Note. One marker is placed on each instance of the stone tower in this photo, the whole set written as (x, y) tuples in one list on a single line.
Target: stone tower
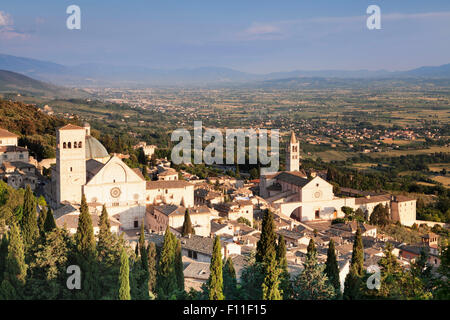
[(70, 163), (292, 154)]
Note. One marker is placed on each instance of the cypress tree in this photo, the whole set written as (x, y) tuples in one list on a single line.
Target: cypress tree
[(285, 284), (187, 225), (143, 251), (354, 277), (166, 282), (86, 254), (30, 231), (15, 273), (215, 281), (104, 234), (85, 231), (229, 280), (179, 267), (49, 224), (124, 277), (270, 286), (151, 256), (331, 267), (3, 255), (311, 249), (266, 244), (41, 221)]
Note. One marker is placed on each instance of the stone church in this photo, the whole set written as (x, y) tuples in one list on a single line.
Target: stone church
[(293, 194), (84, 166)]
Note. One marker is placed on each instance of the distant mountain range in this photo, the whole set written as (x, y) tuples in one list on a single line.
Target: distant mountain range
[(109, 75)]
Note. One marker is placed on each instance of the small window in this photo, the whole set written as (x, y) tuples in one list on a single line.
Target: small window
[(195, 255), (64, 145), (317, 184), (136, 224), (69, 145), (75, 145), (79, 144), (70, 169), (190, 253)]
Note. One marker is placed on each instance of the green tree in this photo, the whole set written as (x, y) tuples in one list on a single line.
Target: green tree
[(14, 276), (442, 283), (229, 280), (41, 221), (166, 280), (285, 283), (151, 255), (187, 225), (85, 231), (332, 268), (47, 272), (124, 277), (215, 281), (49, 224), (352, 284), (380, 215), (267, 241), (179, 266), (3, 254), (312, 283), (86, 254), (270, 285), (30, 230)]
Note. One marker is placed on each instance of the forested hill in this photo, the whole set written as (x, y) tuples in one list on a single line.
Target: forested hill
[(36, 129), (12, 82)]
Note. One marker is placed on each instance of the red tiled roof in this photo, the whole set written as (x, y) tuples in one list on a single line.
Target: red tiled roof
[(6, 134), (71, 127)]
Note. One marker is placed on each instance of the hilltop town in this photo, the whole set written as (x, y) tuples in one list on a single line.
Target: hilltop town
[(158, 198)]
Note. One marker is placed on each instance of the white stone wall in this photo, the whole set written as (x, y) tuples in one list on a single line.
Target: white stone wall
[(171, 196), (201, 223), (8, 141)]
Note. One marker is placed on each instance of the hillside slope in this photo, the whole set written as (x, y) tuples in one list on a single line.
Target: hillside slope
[(12, 82), (36, 129)]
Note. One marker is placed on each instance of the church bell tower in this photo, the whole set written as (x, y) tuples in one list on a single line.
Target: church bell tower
[(70, 163), (292, 154)]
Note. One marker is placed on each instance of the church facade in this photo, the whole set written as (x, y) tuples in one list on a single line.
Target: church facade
[(84, 166)]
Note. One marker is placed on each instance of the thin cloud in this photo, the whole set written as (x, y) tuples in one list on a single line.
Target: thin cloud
[(324, 25), (7, 29)]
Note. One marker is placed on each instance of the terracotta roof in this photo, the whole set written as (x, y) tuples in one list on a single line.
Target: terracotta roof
[(71, 127), (380, 198), (6, 134), (294, 178), (401, 198), (197, 270), (170, 184), (139, 173)]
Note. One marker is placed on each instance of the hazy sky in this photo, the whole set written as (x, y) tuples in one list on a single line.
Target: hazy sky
[(254, 36)]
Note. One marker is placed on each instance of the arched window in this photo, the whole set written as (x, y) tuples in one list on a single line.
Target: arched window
[(64, 145), (69, 145), (75, 145), (79, 144)]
